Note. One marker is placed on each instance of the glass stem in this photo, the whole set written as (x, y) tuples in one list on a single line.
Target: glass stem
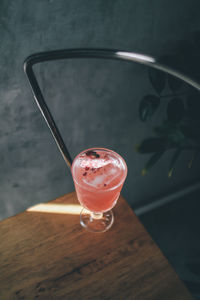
[(96, 215)]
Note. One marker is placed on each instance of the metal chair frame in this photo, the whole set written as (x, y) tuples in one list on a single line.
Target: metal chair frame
[(86, 53)]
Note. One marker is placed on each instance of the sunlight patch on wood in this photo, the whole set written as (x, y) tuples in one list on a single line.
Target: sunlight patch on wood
[(73, 209)]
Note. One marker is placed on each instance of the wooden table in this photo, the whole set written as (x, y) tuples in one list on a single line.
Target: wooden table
[(46, 254)]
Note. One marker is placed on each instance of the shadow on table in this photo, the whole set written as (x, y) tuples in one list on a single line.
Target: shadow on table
[(175, 227)]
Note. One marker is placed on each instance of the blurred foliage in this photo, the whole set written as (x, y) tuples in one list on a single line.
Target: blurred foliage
[(180, 128)]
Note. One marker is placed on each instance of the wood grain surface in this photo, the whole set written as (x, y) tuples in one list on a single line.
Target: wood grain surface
[(46, 254)]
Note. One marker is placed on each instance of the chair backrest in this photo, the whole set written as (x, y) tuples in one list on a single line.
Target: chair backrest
[(87, 53)]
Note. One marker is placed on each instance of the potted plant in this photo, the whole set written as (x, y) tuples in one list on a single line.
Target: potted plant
[(180, 128)]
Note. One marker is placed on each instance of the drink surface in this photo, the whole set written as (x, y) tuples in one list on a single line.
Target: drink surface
[(98, 176)]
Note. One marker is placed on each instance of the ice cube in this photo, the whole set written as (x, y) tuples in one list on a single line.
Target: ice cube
[(110, 178), (112, 171), (98, 180)]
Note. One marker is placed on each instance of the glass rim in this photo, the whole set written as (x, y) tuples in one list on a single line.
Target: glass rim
[(108, 150)]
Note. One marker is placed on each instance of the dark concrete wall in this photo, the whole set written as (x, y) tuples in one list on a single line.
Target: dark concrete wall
[(94, 103)]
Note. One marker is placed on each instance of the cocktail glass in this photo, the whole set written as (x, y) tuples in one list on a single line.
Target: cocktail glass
[(98, 175)]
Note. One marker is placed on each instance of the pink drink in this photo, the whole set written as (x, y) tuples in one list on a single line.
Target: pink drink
[(98, 176)]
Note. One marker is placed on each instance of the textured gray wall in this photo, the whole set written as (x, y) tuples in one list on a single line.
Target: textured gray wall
[(94, 103)]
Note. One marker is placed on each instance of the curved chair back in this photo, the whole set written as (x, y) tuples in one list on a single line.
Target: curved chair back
[(87, 53)]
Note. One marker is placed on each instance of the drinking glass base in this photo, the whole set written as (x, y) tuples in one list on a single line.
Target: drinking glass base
[(96, 222)]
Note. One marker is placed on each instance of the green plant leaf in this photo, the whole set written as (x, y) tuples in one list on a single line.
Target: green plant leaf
[(191, 129), (172, 133), (175, 110), (174, 83), (177, 138), (193, 105), (173, 161), (166, 128), (157, 79), (148, 106), (152, 161), (194, 156), (151, 145)]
